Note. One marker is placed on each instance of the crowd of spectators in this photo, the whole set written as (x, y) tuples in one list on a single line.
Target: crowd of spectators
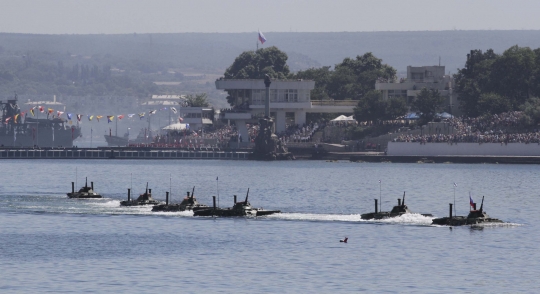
[(499, 128), (297, 133)]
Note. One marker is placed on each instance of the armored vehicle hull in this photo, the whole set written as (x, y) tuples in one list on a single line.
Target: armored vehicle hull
[(84, 192), (240, 209), (143, 199), (475, 217), (188, 203), (397, 210)]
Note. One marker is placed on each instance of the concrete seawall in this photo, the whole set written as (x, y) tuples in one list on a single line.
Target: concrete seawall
[(119, 154), (463, 149)]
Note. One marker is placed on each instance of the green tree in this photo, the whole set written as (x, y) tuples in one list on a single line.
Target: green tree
[(531, 112), (512, 75), (428, 102), (372, 107), (354, 78), (396, 107), (199, 100), (492, 103), (321, 76), (474, 79), (256, 64)]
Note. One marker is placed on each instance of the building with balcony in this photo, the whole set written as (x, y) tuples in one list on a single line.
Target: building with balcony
[(196, 117), (286, 96), (418, 77)]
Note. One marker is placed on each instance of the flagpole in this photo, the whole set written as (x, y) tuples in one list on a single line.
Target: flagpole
[(37, 128), (217, 187), (454, 199), (380, 193)]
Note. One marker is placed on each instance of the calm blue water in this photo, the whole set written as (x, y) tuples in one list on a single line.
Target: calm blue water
[(49, 243)]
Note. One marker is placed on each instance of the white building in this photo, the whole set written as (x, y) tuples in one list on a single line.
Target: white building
[(196, 117), (286, 96), (430, 77), (157, 101)]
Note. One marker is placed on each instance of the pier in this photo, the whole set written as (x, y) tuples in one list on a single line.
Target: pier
[(118, 153)]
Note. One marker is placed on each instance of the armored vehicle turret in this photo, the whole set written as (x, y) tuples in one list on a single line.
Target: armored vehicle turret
[(143, 199), (188, 203), (84, 192), (474, 217), (396, 211), (240, 208)]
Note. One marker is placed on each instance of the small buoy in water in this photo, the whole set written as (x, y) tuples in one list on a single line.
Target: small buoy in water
[(344, 240)]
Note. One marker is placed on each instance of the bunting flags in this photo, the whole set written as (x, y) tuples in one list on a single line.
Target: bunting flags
[(69, 116), (41, 109), (15, 117), (90, 117), (110, 118), (32, 111), (59, 113), (79, 117), (141, 115), (151, 112), (131, 115), (50, 110), (7, 119), (180, 119), (98, 117), (174, 110), (121, 116)]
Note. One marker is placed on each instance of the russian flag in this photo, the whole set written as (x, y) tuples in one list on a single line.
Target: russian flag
[(471, 202), (261, 37)]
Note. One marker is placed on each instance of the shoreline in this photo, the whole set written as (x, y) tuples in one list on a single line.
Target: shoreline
[(146, 153)]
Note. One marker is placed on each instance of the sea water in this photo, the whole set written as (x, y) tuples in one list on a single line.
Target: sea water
[(50, 243)]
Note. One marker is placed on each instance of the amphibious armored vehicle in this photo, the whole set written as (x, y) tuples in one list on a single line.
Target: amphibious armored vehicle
[(396, 211), (84, 192), (143, 199), (474, 217), (188, 203), (242, 208)]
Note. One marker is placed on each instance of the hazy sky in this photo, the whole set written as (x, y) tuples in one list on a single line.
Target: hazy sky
[(174, 16)]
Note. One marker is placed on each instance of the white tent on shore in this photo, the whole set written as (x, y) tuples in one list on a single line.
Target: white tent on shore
[(343, 118), (176, 126)]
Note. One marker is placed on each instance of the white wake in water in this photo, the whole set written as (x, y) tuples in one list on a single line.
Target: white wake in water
[(113, 207), (316, 217), (412, 218), (409, 218)]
